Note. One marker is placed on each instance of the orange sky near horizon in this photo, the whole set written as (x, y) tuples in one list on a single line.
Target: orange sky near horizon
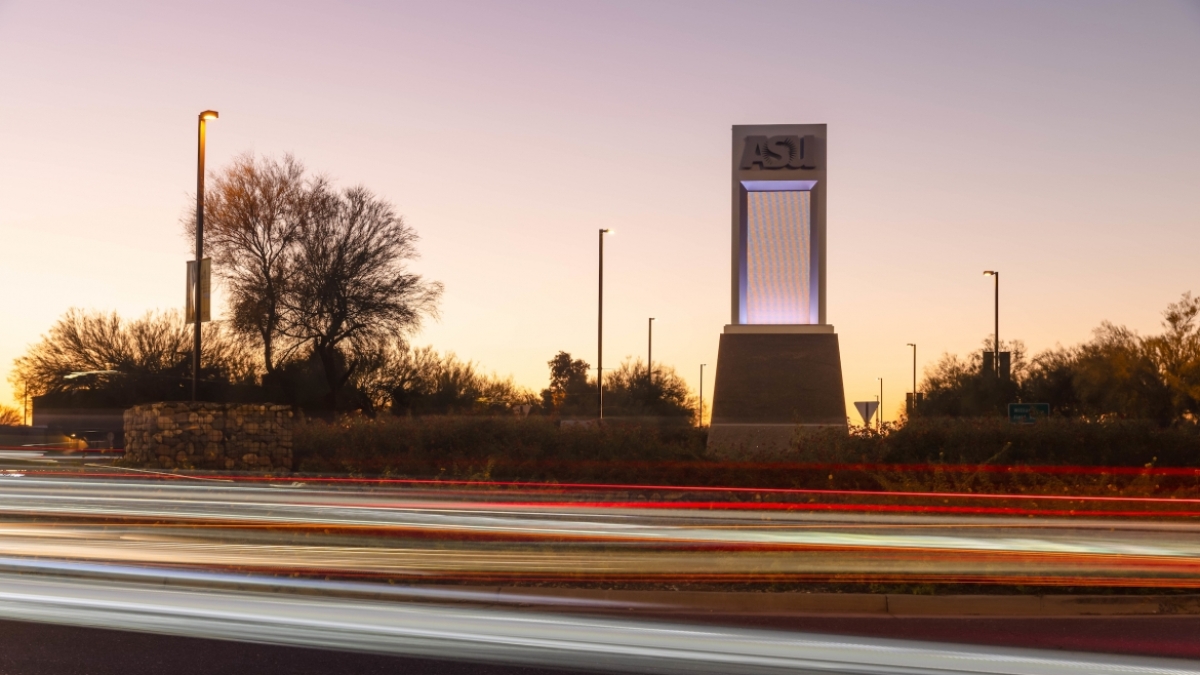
[(1055, 142)]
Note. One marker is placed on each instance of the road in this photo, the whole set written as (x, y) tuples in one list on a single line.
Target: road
[(505, 637), (456, 535), (392, 570), (99, 651)]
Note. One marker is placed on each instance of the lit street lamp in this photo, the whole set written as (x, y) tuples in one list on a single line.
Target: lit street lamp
[(600, 328), (204, 117), (996, 336), (701, 423)]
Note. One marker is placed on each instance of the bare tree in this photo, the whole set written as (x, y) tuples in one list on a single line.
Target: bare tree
[(350, 291), (10, 417), (253, 212), (81, 344)]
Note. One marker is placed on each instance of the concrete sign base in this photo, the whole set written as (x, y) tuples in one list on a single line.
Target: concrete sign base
[(771, 386)]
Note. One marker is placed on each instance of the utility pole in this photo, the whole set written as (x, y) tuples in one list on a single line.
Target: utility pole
[(881, 404), (600, 330), (650, 352), (914, 384), (996, 351)]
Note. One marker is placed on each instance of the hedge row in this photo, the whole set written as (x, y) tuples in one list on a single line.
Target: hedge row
[(960, 455)]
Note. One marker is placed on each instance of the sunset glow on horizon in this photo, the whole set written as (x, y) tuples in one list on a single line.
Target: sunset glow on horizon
[(1056, 143)]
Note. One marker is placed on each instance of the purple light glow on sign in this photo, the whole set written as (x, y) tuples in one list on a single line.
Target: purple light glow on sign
[(778, 257)]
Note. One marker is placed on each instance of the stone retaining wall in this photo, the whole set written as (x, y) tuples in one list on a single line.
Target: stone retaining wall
[(189, 435)]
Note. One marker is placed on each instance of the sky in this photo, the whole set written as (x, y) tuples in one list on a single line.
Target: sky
[(1056, 142)]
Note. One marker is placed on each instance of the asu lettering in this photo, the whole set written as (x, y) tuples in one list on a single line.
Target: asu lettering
[(780, 152)]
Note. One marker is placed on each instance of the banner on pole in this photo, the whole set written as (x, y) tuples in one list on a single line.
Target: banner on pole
[(205, 290)]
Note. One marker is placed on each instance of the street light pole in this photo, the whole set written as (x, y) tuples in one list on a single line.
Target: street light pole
[(204, 117), (600, 330), (650, 351), (881, 404), (701, 423), (914, 389), (996, 336)]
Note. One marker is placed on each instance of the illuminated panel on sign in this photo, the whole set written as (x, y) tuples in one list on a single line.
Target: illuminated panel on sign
[(778, 255)]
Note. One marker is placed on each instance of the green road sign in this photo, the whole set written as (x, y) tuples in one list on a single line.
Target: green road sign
[(1027, 413)]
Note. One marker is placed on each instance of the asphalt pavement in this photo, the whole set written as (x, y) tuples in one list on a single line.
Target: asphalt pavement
[(513, 638), (389, 574), (560, 536)]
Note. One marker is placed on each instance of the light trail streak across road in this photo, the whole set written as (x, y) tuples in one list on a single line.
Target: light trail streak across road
[(403, 570), (429, 534), (524, 638)]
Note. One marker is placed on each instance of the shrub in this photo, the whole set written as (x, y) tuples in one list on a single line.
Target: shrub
[(490, 448), (939, 455), (1052, 441)]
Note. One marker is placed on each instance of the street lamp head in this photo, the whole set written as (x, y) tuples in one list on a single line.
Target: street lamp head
[(605, 230), (209, 115), (990, 273), (910, 345)]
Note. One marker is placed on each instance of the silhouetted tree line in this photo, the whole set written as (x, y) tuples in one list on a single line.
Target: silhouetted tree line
[(421, 382), (629, 390), (1117, 374), (318, 290), (321, 309), (97, 359)]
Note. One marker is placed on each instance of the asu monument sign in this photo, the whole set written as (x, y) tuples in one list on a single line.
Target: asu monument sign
[(779, 367)]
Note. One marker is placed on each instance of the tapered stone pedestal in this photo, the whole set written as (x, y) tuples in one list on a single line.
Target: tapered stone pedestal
[(772, 383)]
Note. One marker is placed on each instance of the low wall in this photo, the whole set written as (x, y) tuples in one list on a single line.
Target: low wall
[(652, 421), (74, 420), (189, 435)]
